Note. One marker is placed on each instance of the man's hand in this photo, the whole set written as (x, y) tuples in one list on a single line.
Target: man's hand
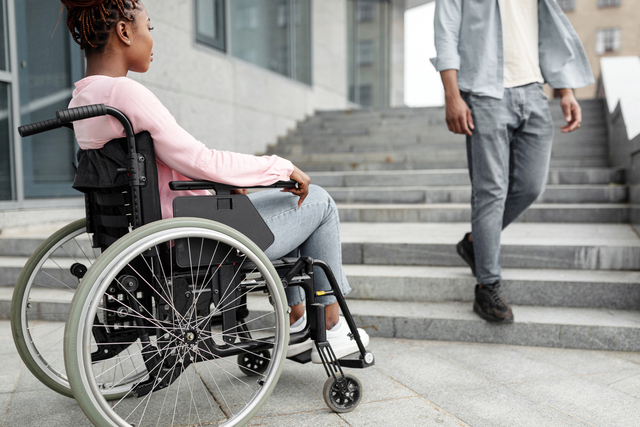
[(303, 181), (459, 118), (571, 110)]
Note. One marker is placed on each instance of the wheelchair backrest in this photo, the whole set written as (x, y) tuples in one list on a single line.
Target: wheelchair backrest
[(102, 177)]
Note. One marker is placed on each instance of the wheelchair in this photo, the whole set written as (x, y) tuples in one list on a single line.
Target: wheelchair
[(180, 321)]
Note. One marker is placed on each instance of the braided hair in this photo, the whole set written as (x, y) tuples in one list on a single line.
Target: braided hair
[(91, 21)]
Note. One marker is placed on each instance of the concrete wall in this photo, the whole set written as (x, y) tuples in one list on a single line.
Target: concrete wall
[(625, 153), (620, 87), (396, 98), (230, 104)]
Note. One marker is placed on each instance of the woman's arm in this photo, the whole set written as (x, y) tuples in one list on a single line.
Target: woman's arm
[(180, 151)]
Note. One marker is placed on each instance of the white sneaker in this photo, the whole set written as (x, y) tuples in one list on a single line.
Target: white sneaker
[(296, 349), (342, 341)]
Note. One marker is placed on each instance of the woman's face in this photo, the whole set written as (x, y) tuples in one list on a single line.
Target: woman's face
[(141, 48)]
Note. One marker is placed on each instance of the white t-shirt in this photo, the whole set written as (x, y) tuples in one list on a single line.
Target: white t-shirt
[(520, 41)]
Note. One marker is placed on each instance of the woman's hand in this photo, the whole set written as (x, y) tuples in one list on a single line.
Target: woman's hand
[(303, 181), (239, 191)]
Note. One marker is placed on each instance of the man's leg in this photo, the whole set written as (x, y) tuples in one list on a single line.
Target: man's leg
[(488, 151), (488, 158), (530, 154)]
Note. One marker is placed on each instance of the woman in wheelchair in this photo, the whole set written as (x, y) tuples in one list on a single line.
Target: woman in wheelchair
[(175, 290), (116, 38)]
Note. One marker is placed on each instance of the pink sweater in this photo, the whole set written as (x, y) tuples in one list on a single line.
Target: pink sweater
[(178, 154)]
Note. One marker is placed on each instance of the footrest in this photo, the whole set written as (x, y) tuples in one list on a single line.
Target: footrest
[(357, 361)]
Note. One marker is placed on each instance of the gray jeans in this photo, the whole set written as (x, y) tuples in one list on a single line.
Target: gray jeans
[(508, 156), (313, 229)]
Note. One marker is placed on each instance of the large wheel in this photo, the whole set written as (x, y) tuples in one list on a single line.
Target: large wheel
[(175, 312), (41, 301)]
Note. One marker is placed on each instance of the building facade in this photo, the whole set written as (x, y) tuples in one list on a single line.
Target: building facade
[(234, 73), (606, 28)]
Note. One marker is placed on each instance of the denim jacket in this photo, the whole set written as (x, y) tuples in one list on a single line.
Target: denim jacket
[(468, 37)]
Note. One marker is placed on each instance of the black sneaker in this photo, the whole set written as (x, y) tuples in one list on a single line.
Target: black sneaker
[(465, 250), (489, 304)]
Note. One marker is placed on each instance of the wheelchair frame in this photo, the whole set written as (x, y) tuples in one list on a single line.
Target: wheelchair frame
[(342, 392)]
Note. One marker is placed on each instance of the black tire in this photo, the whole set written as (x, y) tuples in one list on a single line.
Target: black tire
[(342, 396), (37, 323)]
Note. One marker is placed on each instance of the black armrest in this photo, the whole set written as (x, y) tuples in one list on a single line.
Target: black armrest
[(222, 188)]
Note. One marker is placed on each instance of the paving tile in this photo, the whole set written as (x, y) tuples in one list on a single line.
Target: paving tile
[(627, 381), (426, 373), (185, 402), (628, 356), (10, 373), (586, 400), (582, 362), (6, 339), (504, 364), (501, 407), (301, 419), (291, 395), (28, 382), (411, 411), (5, 403), (31, 409)]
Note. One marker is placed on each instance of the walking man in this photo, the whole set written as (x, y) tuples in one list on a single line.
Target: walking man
[(493, 57)]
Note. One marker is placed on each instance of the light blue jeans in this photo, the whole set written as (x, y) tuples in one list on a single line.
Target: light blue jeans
[(508, 156), (313, 229)]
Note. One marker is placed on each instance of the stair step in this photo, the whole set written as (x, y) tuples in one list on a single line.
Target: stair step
[(595, 107), (312, 163), (582, 328), (594, 147), (46, 304), (524, 245), (461, 212), (566, 327), (462, 194), (55, 273), (448, 177), (536, 287), (23, 242)]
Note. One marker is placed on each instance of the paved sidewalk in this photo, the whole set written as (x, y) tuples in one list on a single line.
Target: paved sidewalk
[(415, 383)]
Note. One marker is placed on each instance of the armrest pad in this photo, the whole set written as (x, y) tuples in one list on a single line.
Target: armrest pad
[(221, 188)]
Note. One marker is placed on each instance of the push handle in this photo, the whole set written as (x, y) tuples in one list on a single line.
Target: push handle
[(64, 118), (39, 127), (81, 113)]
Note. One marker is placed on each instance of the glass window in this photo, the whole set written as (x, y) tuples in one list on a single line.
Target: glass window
[(608, 3), (274, 34), (302, 37), (6, 155), (210, 23), (48, 65), (366, 12), (4, 51), (607, 40), (567, 5), (368, 50)]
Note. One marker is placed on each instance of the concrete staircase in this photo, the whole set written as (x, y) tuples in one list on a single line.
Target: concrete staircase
[(571, 263), (400, 180)]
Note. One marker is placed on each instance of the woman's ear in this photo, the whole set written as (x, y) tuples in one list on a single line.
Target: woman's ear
[(123, 32)]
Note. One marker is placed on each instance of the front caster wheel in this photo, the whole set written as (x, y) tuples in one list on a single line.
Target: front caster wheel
[(342, 395), (254, 364)]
